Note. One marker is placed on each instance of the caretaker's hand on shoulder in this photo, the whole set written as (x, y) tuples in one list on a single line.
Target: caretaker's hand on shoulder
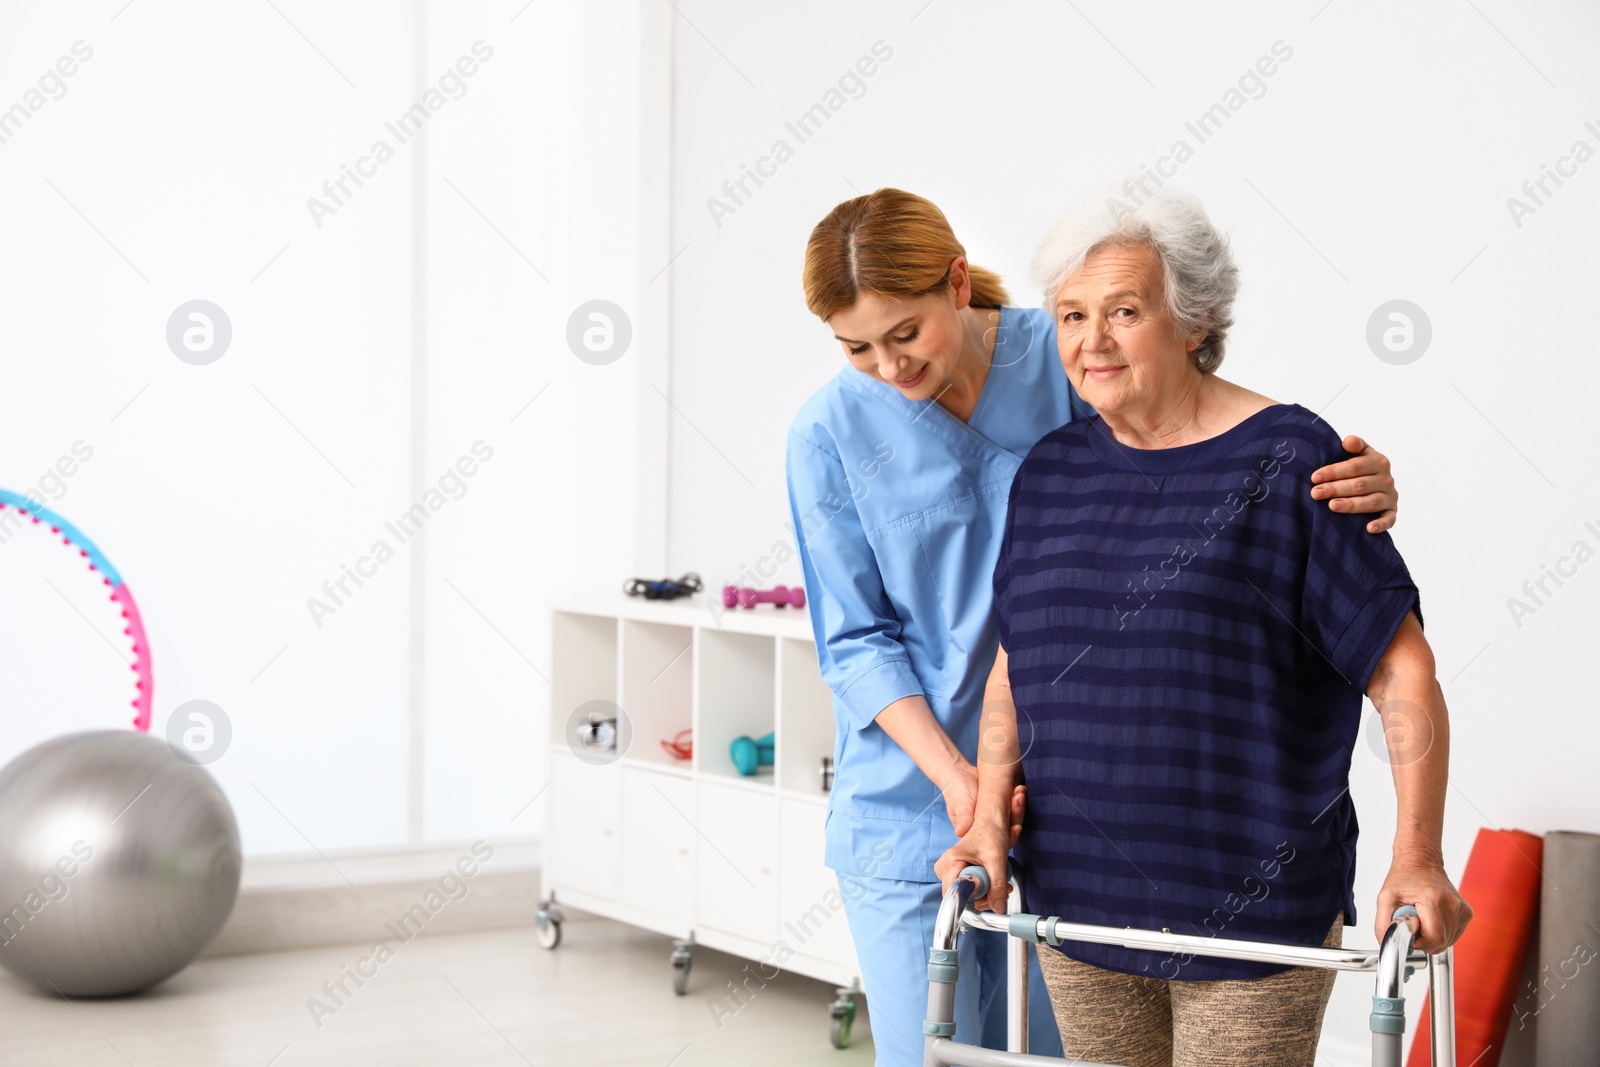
[(1442, 915), (1362, 486)]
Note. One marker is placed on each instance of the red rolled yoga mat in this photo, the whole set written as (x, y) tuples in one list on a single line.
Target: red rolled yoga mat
[(1501, 883)]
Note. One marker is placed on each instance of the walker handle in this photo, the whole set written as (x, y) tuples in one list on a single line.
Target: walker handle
[(978, 875), (1405, 911)]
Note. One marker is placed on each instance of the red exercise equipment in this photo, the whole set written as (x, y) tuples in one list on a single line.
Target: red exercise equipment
[(1501, 883), (681, 747)]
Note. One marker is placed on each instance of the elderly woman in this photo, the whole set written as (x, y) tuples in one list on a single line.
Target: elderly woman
[(1185, 645)]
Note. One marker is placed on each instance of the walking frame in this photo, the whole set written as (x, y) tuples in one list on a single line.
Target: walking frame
[(1393, 962)]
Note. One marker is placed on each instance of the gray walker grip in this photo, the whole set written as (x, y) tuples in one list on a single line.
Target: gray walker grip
[(1388, 1018)]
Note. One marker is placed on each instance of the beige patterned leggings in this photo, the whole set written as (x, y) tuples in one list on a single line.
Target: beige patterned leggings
[(1139, 1021)]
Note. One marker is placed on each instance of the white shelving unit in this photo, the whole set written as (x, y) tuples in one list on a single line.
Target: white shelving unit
[(695, 850)]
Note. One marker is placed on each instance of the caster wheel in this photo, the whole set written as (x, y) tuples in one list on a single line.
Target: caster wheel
[(549, 929), (682, 962), (842, 1013)]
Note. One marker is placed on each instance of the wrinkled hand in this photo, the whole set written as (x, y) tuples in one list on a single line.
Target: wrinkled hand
[(961, 796), (986, 844), (1362, 485), (1019, 808), (1442, 916)]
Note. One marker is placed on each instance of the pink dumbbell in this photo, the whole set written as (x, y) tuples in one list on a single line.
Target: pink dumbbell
[(781, 595)]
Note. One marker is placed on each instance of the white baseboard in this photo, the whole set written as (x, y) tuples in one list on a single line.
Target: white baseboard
[(298, 901)]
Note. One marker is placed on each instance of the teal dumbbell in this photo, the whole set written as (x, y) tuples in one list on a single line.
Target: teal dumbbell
[(749, 755)]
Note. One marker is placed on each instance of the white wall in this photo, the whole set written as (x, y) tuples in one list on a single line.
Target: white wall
[(1376, 166), (496, 308), (368, 354), (566, 157)]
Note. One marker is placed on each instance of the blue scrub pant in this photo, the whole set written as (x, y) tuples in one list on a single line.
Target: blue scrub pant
[(892, 924)]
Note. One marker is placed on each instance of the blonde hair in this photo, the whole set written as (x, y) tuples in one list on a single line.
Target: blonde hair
[(889, 242)]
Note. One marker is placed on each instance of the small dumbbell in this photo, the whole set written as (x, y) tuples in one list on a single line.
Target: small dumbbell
[(749, 754), (781, 595)]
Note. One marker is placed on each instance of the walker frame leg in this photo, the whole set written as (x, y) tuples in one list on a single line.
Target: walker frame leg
[(1442, 994), (1017, 989)]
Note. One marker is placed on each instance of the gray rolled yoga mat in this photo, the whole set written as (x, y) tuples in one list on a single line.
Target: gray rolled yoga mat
[(1568, 997)]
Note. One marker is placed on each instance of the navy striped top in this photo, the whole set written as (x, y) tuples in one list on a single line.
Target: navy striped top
[(1190, 635)]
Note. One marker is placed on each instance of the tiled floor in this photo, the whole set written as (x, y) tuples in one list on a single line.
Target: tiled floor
[(496, 998)]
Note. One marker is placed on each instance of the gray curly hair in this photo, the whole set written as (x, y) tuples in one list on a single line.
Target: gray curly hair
[(1197, 267)]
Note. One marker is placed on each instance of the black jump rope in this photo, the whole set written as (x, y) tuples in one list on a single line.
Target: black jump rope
[(665, 589)]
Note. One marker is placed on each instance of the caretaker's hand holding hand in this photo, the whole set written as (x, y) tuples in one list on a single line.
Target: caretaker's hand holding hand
[(910, 722), (1362, 485), (1442, 915), (961, 800), (960, 791)]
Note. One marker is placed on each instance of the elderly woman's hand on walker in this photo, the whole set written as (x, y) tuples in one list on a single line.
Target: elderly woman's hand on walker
[(999, 799), (1416, 731)]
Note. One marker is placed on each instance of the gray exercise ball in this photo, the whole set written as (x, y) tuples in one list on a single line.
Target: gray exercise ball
[(119, 862)]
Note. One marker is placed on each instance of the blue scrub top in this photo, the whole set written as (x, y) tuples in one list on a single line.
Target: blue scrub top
[(898, 510)]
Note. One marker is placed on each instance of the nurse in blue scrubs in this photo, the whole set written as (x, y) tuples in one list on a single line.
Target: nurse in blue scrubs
[(898, 471)]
